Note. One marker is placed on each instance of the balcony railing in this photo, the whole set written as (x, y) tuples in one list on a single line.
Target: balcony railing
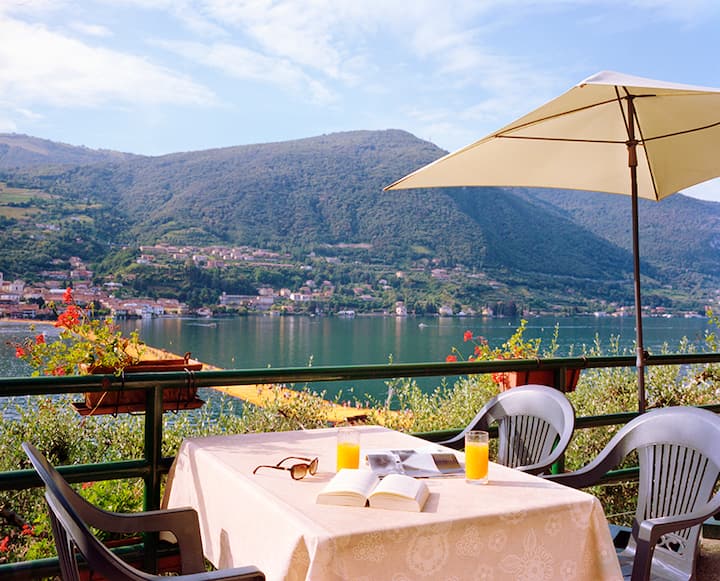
[(152, 466)]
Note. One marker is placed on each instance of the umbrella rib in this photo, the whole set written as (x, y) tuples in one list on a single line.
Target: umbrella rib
[(555, 116), (643, 139), (640, 141), (619, 100), (565, 139), (684, 132)]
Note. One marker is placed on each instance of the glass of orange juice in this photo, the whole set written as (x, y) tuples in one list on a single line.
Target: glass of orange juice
[(476, 457), (348, 448)]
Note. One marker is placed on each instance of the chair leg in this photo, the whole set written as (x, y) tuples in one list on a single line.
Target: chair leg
[(643, 561)]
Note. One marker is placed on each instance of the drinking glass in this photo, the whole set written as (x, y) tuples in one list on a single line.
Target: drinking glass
[(476, 457), (348, 448)]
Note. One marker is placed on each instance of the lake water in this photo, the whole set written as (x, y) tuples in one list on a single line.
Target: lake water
[(256, 342)]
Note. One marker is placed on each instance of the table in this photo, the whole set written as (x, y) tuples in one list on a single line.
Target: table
[(516, 527)]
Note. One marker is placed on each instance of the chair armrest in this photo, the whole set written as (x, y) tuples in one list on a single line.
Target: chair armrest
[(649, 531), (249, 573), (145, 522), (536, 468), (581, 478), (183, 523), (456, 442), (653, 528)]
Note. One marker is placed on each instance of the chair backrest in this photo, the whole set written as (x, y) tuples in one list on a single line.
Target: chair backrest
[(678, 452), (535, 426)]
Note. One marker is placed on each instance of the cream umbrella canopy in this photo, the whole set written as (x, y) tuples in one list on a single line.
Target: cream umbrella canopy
[(612, 133)]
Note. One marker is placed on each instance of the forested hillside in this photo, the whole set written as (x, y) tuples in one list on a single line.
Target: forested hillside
[(323, 195), (18, 151)]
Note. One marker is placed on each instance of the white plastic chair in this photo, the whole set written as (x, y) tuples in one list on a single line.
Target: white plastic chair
[(535, 426), (679, 457)]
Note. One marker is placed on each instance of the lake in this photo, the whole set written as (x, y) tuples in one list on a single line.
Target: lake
[(255, 342)]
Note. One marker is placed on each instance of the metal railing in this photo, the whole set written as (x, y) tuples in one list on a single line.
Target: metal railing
[(153, 466)]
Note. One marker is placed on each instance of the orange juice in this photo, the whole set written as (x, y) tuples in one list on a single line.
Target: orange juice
[(348, 455), (476, 461)]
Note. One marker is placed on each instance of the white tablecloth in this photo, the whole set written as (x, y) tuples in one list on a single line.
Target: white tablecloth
[(516, 527)]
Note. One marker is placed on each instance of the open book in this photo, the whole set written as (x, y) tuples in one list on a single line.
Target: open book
[(351, 487), (417, 463)]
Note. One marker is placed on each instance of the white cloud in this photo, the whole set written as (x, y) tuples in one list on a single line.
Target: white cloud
[(32, 7), (685, 12), (450, 72), (7, 125), (95, 30), (28, 114), (344, 39), (309, 34), (190, 13), (38, 66), (242, 63)]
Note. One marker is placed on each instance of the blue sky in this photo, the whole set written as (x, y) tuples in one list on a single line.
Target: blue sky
[(160, 76)]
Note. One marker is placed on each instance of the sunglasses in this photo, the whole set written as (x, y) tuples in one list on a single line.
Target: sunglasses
[(297, 471)]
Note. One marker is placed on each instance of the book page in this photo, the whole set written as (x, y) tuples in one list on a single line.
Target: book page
[(350, 481), (399, 485), (400, 492)]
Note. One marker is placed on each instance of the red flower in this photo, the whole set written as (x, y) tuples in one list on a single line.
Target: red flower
[(39, 339), (58, 371), (19, 352), (27, 530), (468, 336), (4, 544), (67, 296), (69, 318), (86, 485), (451, 359)]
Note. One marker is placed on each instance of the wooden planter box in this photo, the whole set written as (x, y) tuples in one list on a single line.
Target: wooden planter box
[(134, 400), (510, 379)]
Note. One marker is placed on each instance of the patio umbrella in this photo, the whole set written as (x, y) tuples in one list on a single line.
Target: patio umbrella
[(611, 133)]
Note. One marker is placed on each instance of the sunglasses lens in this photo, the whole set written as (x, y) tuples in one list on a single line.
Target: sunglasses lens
[(313, 467), (299, 471)]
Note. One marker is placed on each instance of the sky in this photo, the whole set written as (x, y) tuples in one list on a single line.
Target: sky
[(161, 76)]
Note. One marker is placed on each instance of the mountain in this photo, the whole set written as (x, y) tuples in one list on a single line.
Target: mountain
[(324, 193), (680, 235), (22, 151)]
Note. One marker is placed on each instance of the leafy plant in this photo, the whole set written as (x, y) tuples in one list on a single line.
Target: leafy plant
[(515, 347)]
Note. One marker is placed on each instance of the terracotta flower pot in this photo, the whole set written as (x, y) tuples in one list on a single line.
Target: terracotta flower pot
[(135, 399), (510, 379)]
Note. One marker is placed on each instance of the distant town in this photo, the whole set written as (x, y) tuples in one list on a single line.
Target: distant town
[(22, 300)]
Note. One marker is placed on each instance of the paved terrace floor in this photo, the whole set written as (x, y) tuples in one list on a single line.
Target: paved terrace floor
[(709, 564)]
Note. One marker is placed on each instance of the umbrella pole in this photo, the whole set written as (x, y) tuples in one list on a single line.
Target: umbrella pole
[(640, 362), (632, 162)]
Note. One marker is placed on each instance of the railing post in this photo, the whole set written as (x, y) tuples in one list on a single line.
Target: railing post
[(153, 455), (560, 384)]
